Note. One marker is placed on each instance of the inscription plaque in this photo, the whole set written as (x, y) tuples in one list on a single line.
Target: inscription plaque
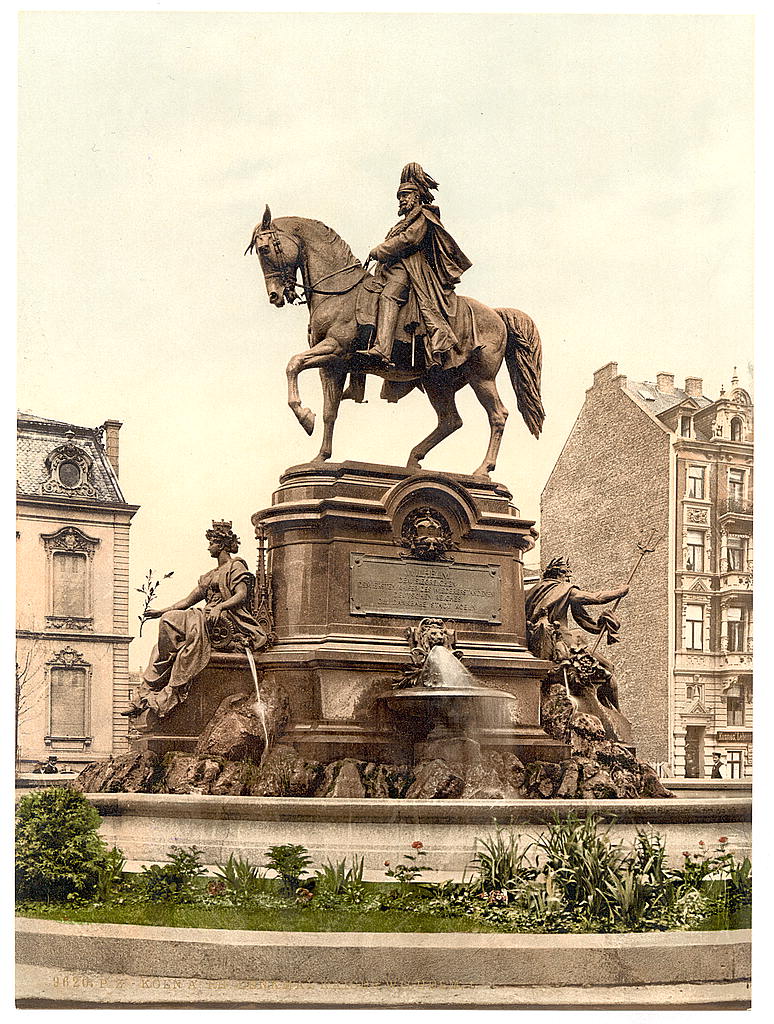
[(380, 585)]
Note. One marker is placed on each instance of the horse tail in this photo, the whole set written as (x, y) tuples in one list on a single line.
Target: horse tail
[(523, 357)]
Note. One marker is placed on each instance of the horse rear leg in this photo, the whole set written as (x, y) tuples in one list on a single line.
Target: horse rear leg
[(442, 399), (487, 394)]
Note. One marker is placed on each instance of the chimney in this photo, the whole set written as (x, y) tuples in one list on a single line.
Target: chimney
[(606, 373), (694, 387), (111, 442), (665, 383)]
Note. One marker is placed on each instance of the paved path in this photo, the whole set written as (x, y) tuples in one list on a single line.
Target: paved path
[(42, 988)]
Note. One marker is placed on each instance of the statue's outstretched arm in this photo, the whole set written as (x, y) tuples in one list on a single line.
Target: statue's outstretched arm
[(599, 596), (188, 602)]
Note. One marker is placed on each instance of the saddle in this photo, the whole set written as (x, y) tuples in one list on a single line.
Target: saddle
[(409, 350)]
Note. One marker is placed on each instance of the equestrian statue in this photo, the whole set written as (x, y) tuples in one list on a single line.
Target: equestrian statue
[(404, 322)]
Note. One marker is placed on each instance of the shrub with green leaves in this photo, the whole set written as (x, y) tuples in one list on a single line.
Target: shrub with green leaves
[(58, 852), (174, 882), (290, 861)]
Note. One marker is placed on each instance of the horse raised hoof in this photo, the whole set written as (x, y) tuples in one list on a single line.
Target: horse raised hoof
[(306, 419)]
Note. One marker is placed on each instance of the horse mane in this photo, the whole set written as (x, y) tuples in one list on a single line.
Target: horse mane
[(315, 230)]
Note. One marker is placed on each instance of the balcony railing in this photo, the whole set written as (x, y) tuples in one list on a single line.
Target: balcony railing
[(734, 506)]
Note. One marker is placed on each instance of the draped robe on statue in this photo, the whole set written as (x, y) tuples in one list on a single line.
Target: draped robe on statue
[(434, 263), (183, 647)]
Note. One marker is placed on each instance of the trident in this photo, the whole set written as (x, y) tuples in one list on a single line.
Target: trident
[(646, 548)]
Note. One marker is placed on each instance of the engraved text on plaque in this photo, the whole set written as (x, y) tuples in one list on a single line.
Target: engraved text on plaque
[(380, 585)]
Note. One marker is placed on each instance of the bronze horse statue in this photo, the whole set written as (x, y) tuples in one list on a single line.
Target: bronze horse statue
[(331, 276)]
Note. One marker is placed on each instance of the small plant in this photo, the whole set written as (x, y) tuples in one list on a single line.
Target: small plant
[(500, 862), (335, 879), (242, 880), (584, 867), (409, 872), (290, 862), (110, 874), (58, 852), (176, 881)]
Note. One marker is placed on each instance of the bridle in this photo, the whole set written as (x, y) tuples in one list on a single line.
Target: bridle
[(286, 269)]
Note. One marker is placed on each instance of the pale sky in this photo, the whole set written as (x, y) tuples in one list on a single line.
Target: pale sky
[(597, 169)]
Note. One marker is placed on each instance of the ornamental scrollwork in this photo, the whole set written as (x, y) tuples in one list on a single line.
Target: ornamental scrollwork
[(69, 472), (70, 538), (68, 657)]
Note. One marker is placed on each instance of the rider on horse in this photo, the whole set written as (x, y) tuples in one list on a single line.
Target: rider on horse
[(419, 264)]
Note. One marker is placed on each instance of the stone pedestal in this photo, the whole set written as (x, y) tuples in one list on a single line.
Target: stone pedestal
[(180, 730), (361, 552)]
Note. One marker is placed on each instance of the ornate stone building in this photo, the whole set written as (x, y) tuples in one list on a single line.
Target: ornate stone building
[(647, 457), (72, 535)]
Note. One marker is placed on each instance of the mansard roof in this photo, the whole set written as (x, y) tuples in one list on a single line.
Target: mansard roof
[(42, 442)]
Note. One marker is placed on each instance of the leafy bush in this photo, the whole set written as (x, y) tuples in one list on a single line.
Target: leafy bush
[(500, 862), (582, 867), (110, 875), (243, 881), (335, 878), (176, 881), (58, 852), (290, 861)]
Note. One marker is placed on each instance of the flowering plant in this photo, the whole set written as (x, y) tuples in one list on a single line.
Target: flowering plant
[(407, 873)]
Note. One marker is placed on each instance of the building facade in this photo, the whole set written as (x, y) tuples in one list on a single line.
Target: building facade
[(646, 460), (72, 636)]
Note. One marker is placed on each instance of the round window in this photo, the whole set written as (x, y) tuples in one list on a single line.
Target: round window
[(69, 474)]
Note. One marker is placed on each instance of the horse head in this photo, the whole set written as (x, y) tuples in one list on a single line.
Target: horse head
[(279, 254)]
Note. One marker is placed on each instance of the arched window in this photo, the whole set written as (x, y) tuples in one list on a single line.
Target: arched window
[(736, 428)]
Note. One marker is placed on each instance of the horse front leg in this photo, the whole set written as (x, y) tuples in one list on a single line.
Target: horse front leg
[(318, 355), (333, 386)]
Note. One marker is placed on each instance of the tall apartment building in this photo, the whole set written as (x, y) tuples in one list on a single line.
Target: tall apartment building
[(72, 637), (647, 458)]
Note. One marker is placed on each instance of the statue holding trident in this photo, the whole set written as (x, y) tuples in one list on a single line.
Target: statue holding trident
[(588, 678)]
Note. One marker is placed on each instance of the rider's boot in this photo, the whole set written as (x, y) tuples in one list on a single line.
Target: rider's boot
[(385, 332)]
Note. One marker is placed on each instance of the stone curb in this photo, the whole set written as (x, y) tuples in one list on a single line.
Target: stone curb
[(667, 958), (469, 812), (41, 988)]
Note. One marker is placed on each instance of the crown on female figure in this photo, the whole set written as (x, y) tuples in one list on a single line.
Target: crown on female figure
[(221, 530)]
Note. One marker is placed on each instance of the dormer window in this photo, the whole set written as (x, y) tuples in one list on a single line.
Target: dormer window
[(737, 426), (685, 426)]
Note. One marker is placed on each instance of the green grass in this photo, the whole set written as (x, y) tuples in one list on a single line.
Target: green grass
[(173, 915), (731, 921), (290, 920)]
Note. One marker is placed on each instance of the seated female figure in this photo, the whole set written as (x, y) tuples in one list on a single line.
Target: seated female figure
[(184, 645)]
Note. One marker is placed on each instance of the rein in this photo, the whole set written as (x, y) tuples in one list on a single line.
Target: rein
[(287, 271)]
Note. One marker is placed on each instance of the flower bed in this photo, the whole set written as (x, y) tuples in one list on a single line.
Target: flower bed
[(571, 878)]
